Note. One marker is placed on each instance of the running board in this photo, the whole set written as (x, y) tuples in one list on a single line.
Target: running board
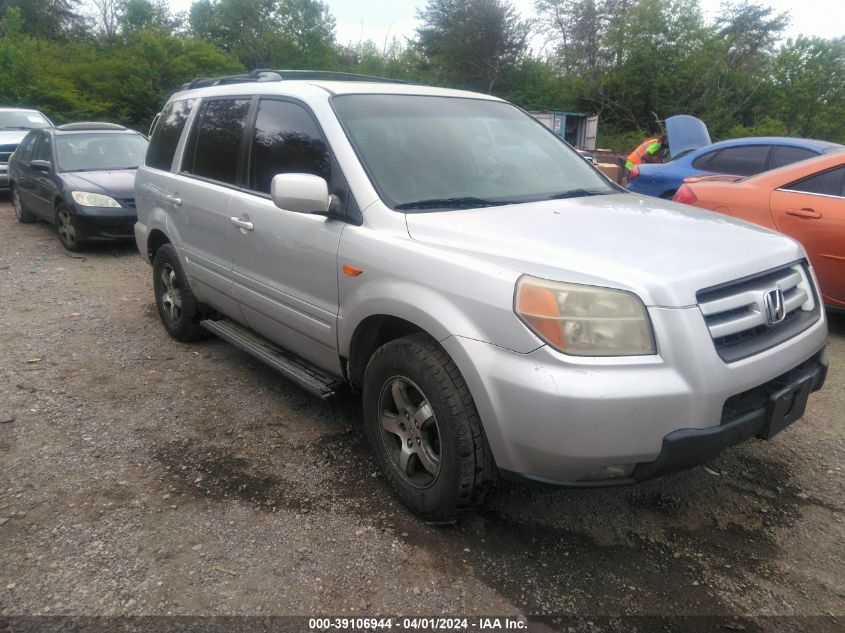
[(289, 365)]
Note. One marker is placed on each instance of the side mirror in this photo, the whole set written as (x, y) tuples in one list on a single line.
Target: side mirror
[(301, 193), (41, 165)]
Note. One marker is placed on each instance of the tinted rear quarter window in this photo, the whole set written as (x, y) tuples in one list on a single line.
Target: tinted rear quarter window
[(167, 132), (215, 142), (741, 161), (828, 183), (785, 155), (24, 151), (286, 141)]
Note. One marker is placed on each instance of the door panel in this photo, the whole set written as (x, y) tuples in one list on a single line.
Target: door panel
[(285, 264), (40, 185), (285, 273), (818, 222)]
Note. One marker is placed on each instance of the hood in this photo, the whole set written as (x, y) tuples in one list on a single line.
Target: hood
[(117, 184), (686, 133), (12, 137), (664, 252)]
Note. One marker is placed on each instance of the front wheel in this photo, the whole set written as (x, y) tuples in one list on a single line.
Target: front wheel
[(424, 429), (177, 306), (67, 229)]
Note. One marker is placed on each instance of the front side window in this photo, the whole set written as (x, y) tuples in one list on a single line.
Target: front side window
[(99, 151), (286, 141), (165, 136), (435, 153), (828, 183), (42, 150), (215, 142)]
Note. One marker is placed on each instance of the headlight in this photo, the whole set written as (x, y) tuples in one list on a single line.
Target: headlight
[(87, 199), (584, 320)]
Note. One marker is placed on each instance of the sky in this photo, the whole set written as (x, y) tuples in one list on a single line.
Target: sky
[(380, 20)]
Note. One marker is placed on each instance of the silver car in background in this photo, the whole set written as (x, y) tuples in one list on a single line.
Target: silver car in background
[(504, 309), (15, 123)]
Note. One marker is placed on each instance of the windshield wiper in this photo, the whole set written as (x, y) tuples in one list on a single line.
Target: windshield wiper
[(578, 193), (450, 203)]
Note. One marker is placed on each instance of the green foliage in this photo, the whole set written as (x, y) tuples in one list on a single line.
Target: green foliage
[(633, 62), (472, 43)]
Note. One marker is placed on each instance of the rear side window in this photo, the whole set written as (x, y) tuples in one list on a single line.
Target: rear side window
[(24, 151), (286, 141), (216, 140), (741, 161), (166, 134), (785, 155), (828, 183)]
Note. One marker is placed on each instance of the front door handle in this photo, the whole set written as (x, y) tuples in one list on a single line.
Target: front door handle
[(177, 202), (809, 214), (242, 224)]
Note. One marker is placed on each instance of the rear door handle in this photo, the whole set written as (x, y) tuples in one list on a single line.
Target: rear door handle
[(810, 214), (177, 202), (242, 224)]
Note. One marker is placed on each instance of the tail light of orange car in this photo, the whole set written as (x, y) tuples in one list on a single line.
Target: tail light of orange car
[(685, 195)]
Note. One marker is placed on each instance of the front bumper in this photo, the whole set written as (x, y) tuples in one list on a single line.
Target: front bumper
[(561, 419), (101, 224)]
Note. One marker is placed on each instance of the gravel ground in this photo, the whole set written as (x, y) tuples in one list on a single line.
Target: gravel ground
[(143, 476)]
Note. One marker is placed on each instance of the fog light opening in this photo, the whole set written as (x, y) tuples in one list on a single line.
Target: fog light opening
[(617, 471)]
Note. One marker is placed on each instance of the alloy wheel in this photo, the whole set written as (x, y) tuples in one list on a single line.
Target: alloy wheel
[(409, 431), (171, 297), (67, 232)]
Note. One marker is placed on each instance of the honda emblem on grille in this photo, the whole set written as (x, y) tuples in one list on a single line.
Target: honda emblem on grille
[(775, 311)]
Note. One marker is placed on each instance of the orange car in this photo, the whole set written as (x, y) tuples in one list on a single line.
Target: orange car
[(804, 200)]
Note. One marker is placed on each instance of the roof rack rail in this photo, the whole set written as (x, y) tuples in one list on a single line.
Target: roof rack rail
[(91, 125), (268, 74)]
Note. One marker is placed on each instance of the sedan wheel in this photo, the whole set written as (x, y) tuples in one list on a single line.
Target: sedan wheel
[(23, 216), (68, 234)]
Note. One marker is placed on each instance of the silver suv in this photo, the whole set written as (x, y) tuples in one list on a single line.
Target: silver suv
[(504, 308)]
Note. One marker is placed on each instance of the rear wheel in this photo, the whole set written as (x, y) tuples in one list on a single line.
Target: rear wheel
[(423, 427), (177, 306), (23, 216), (67, 229)]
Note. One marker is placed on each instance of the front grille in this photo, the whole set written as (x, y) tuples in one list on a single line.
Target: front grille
[(735, 313), (6, 152)]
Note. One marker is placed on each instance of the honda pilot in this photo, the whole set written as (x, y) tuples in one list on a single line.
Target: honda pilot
[(502, 307)]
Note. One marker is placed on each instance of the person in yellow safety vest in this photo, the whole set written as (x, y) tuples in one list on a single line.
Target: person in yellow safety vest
[(651, 150)]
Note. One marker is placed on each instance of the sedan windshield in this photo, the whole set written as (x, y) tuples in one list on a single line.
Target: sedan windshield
[(100, 151), (432, 153), (22, 120)]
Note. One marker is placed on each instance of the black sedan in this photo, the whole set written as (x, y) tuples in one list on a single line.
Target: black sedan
[(80, 177)]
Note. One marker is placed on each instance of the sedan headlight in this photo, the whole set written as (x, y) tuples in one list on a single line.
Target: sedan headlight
[(584, 320), (88, 199)]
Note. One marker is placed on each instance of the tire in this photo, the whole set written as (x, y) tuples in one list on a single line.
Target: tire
[(415, 397), (67, 229), (178, 309), (23, 216)]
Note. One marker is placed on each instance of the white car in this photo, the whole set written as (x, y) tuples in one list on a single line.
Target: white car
[(15, 123)]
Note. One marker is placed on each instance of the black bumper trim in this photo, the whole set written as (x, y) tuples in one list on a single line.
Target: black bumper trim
[(686, 448)]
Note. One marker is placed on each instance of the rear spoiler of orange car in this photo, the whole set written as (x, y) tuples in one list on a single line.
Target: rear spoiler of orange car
[(714, 177)]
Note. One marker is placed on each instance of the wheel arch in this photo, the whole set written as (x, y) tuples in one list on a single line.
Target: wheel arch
[(369, 335), (155, 240)]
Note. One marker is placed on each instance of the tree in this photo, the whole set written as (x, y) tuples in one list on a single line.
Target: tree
[(268, 33), (48, 19), (472, 43), (809, 87), (107, 16)]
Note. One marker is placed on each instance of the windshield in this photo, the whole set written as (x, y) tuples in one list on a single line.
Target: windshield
[(22, 120), (100, 152), (444, 152)]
